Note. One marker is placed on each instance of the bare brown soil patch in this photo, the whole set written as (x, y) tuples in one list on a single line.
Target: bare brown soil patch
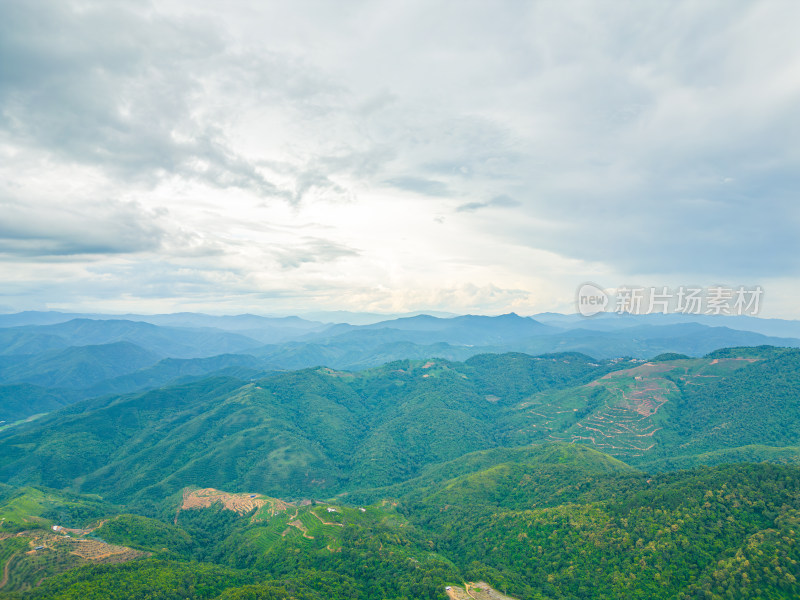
[(100, 551), (476, 591), (717, 360), (238, 503), (86, 549)]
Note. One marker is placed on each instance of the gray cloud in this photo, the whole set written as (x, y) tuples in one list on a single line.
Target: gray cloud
[(427, 187), (648, 139), (503, 200), (98, 228), (110, 85), (312, 250)]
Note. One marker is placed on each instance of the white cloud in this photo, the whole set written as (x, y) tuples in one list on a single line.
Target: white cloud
[(308, 155)]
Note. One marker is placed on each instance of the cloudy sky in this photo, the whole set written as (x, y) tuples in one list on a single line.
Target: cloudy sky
[(485, 157)]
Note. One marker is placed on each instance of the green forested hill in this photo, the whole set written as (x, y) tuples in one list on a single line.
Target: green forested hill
[(313, 431), (321, 431), (724, 532), (548, 477), (718, 532), (756, 405), (176, 342), (78, 367), (20, 400), (488, 471)]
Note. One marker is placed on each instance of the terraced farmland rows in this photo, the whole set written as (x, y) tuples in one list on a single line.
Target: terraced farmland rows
[(627, 422)]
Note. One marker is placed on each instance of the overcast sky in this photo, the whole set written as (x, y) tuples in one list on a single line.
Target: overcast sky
[(485, 157)]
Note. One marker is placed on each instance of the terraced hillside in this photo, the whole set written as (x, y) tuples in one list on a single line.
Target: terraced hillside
[(625, 412), (45, 532)]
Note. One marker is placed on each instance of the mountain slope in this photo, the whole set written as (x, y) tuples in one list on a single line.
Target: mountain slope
[(80, 366), (316, 430), (179, 370), (321, 431), (537, 474)]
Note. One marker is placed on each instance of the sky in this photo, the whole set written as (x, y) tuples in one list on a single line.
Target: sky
[(470, 157)]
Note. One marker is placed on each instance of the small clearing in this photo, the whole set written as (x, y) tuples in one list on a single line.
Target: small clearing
[(334, 373), (325, 522), (238, 503), (101, 551), (475, 591)]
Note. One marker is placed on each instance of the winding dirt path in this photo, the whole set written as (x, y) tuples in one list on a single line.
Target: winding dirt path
[(6, 569)]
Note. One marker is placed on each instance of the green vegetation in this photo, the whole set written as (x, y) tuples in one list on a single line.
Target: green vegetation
[(669, 356), (717, 532), (311, 432), (759, 404), (145, 534), (568, 523), (24, 508), (548, 477), (19, 401), (321, 432)]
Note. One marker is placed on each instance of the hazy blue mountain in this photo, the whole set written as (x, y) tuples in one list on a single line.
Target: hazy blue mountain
[(79, 366), (35, 317), (23, 340), (263, 329), (464, 330), (166, 341), (645, 341), (297, 343), (34, 384), (350, 347), (226, 322), (362, 350), (172, 370), (365, 318), (613, 321)]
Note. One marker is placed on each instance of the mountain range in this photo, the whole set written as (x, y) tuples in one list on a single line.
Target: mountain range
[(412, 458), (321, 431), (66, 357)]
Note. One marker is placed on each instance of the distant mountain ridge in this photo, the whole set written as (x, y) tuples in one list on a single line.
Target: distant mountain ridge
[(30, 353), (458, 338)]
